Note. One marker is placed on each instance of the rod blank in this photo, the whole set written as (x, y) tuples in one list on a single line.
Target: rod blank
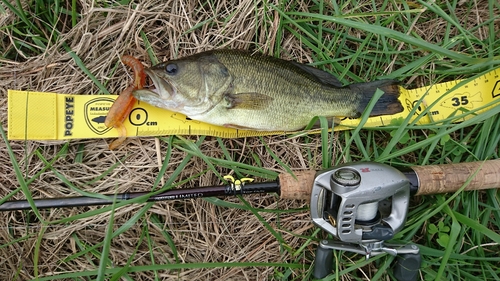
[(173, 194)]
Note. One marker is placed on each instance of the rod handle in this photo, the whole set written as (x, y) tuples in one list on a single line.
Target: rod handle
[(448, 178), (432, 179), (297, 186)]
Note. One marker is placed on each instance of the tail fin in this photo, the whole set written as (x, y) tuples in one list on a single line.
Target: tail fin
[(387, 104)]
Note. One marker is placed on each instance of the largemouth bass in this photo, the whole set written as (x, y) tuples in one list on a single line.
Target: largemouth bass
[(236, 89)]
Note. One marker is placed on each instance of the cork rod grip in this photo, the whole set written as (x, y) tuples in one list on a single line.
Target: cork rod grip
[(298, 187), (451, 177)]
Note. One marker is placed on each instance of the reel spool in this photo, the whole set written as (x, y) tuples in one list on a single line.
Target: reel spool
[(362, 205)]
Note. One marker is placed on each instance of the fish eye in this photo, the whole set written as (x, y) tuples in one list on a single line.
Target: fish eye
[(171, 68)]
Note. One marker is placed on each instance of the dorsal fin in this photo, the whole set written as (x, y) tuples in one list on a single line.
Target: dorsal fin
[(319, 75)]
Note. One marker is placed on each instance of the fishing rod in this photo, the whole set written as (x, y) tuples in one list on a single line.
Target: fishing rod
[(362, 205), (423, 180), (233, 188)]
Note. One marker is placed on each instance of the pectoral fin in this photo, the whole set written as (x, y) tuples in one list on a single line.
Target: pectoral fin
[(247, 101)]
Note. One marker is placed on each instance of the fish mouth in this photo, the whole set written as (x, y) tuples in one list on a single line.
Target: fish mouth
[(160, 95), (162, 86)]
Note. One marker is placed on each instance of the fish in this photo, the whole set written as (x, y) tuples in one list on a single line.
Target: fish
[(99, 119), (238, 89)]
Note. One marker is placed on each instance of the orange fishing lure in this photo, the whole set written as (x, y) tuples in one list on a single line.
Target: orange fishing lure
[(123, 105)]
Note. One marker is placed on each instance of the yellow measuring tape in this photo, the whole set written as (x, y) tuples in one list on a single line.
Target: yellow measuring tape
[(50, 116)]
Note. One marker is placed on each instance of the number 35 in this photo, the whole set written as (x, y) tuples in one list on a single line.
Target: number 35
[(459, 101)]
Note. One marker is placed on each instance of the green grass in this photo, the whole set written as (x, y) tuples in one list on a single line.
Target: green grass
[(458, 234)]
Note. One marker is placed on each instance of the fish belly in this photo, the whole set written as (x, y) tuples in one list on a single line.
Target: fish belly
[(285, 114)]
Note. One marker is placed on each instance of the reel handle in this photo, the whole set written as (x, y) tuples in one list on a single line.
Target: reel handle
[(323, 262), (407, 266)]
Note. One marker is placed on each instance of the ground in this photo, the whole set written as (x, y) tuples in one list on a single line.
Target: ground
[(74, 47)]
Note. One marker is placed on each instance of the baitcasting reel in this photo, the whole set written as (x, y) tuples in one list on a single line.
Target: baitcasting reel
[(363, 205)]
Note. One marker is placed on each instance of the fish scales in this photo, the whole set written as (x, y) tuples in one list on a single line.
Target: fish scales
[(236, 89), (295, 95)]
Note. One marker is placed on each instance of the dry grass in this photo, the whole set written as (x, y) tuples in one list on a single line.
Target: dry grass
[(201, 231)]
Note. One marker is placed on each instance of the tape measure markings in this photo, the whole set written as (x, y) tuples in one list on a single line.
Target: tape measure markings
[(81, 116)]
